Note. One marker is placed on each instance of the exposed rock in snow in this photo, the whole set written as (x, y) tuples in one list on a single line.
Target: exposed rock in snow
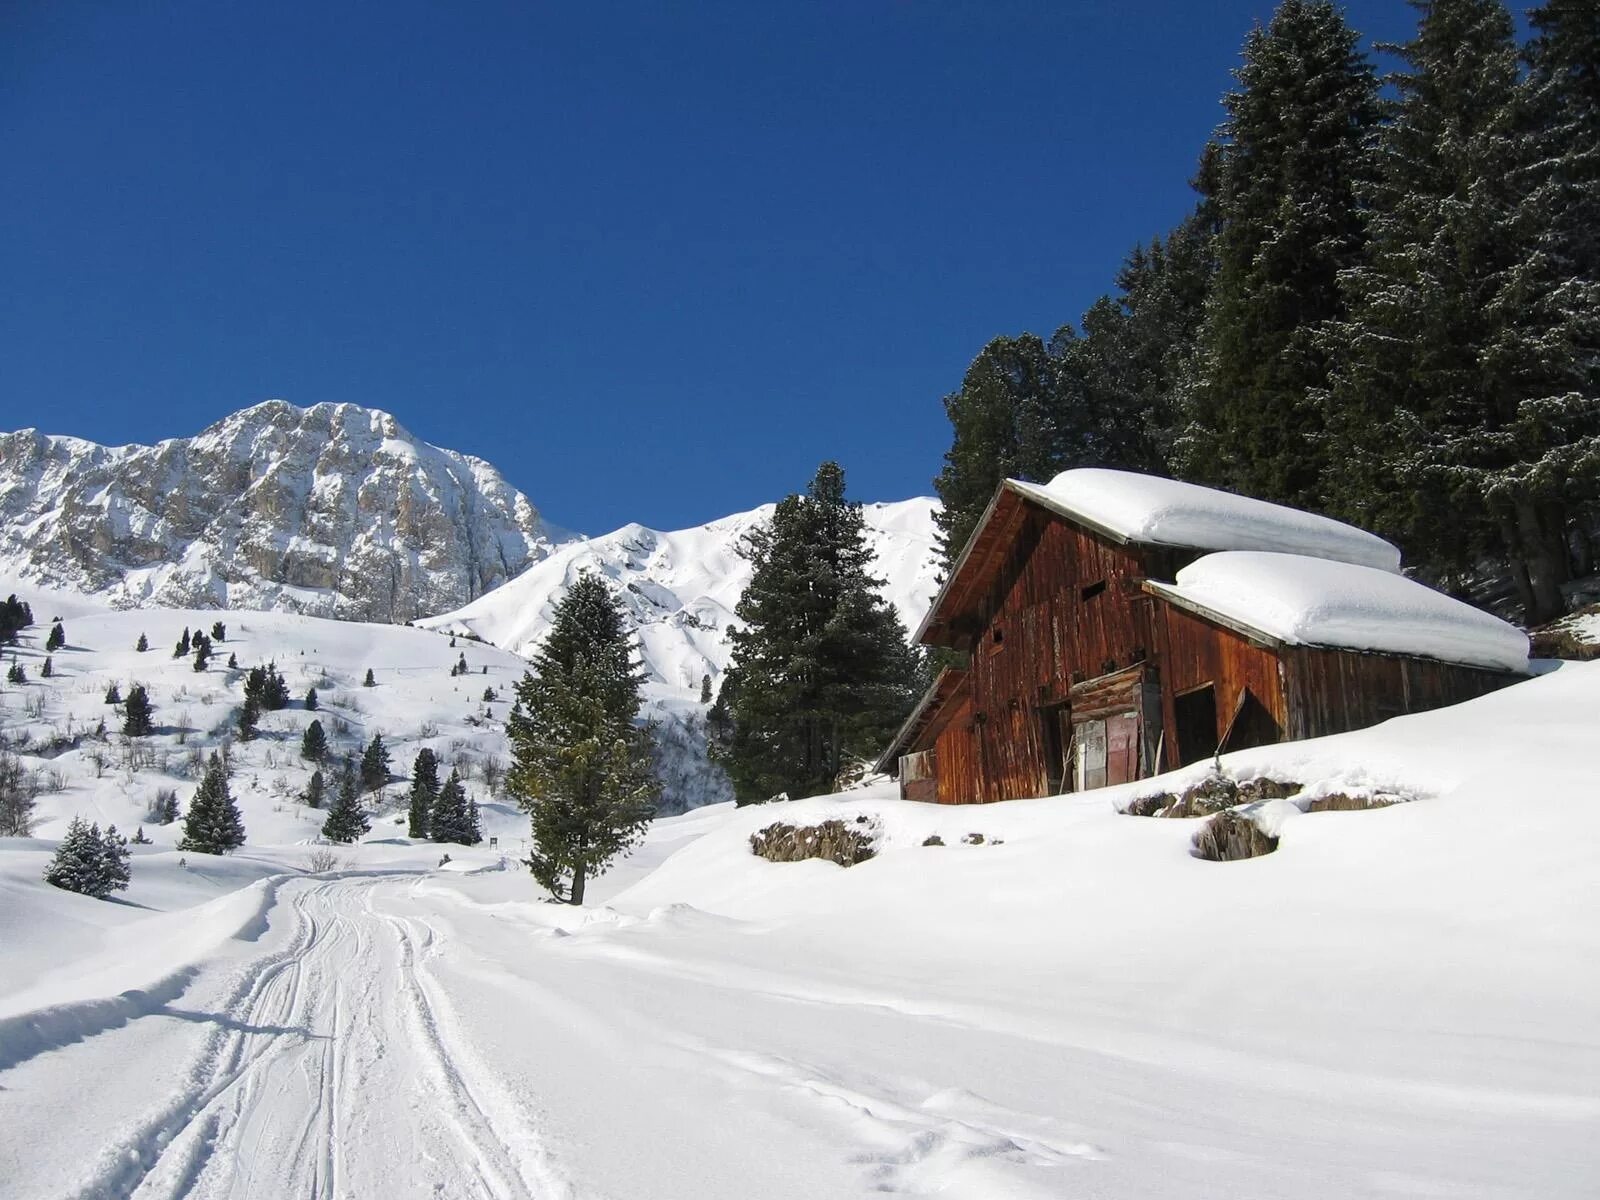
[(333, 510)]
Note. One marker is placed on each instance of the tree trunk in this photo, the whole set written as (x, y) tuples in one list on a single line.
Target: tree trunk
[(576, 894), (1518, 569), (1547, 566)]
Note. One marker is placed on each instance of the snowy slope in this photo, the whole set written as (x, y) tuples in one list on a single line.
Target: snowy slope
[(1400, 1002), (333, 510), (680, 589)]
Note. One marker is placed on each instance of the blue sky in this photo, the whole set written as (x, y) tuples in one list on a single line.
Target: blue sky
[(653, 261)]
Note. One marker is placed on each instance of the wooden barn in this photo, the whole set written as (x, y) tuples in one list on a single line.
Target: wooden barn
[(1115, 626)]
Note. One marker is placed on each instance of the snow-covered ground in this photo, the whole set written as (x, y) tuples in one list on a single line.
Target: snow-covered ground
[(1400, 1002)]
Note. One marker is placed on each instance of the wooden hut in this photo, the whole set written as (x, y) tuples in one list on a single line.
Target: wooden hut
[(1115, 626)]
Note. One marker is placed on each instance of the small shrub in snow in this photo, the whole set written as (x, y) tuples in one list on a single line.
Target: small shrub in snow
[(933, 839), (973, 839), (163, 809), (319, 861), (18, 791), (833, 841)]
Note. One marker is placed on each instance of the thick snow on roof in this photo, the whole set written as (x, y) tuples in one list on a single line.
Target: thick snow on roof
[(1144, 508), (1315, 602)]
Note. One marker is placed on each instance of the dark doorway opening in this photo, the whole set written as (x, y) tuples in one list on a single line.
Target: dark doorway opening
[(1252, 725), (1195, 714)]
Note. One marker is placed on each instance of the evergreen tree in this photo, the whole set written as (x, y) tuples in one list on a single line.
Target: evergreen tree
[(1464, 381), (113, 694), (181, 650), (48, 669), (15, 615), (233, 662), (582, 767), (142, 644), (219, 631), (116, 871), (314, 790), (705, 689), (202, 651), (424, 792), (311, 699), (15, 674), (369, 681), (374, 764), (249, 715), (1003, 425), (57, 638), (137, 719), (139, 838), (80, 862), (1292, 158), (454, 818), (821, 673), (213, 825), (346, 822), (166, 807), (314, 742)]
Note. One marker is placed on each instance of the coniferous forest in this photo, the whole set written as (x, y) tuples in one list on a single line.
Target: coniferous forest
[(1384, 306)]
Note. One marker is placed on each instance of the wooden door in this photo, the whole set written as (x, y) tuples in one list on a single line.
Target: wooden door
[(1122, 748)]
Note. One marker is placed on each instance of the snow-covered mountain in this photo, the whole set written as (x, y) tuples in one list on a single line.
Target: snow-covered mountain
[(333, 510), (680, 588)]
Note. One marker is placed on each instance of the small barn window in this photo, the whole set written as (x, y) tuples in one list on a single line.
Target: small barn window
[(1094, 589)]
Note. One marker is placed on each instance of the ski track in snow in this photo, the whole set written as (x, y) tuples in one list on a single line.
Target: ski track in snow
[(328, 1074)]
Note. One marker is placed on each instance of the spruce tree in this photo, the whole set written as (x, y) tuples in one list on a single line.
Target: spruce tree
[(213, 825), (202, 652), (142, 644), (137, 720), (113, 694), (314, 742), (374, 764), (821, 672), (116, 872), (705, 689), (369, 681), (48, 669), (454, 818), (56, 639), (219, 631), (1464, 375), (79, 863), (424, 792), (15, 673), (249, 714), (346, 821), (314, 790), (581, 765), (233, 662), (1291, 161), (1003, 424), (311, 700)]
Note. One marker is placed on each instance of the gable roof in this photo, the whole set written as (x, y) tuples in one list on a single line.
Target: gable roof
[(1133, 509), (943, 689), (1292, 599)]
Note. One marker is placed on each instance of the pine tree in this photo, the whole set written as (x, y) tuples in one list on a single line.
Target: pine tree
[(249, 715), (346, 821), (137, 719), (142, 644), (369, 681), (16, 674), (821, 672), (78, 864), (424, 792), (374, 764), (113, 694), (139, 838), (1292, 158), (582, 768), (181, 650), (166, 807), (219, 631), (311, 700), (1464, 381), (116, 871), (213, 825), (48, 669), (314, 742), (454, 818), (314, 790), (202, 651), (1003, 424), (57, 638), (233, 662), (705, 689)]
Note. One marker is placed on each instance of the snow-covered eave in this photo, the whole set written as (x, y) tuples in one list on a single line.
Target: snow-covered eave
[(1271, 641)]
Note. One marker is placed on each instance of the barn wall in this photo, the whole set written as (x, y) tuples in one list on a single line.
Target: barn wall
[(1331, 691), (1193, 652), (1050, 634)]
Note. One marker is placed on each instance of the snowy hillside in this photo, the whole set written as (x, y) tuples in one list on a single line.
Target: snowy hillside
[(1400, 1002), (679, 589), (52, 723), (333, 510)]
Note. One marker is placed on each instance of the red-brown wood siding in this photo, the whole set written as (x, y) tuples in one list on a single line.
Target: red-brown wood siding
[(1193, 652), (1331, 691)]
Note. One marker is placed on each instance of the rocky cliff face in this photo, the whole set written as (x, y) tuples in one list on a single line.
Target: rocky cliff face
[(334, 510)]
